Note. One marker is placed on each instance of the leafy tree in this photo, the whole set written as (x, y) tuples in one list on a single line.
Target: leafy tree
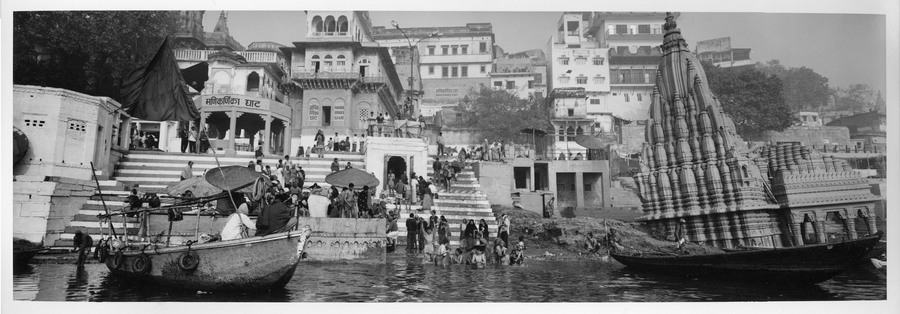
[(857, 97), (85, 51), (804, 89), (499, 115), (754, 100)]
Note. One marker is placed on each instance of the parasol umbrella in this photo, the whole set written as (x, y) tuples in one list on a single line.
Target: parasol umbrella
[(358, 177), (198, 186), (236, 178), (20, 145)]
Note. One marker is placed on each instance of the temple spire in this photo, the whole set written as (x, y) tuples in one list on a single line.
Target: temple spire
[(222, 24)]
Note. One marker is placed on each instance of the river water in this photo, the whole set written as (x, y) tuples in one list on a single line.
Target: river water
[(405, 278)]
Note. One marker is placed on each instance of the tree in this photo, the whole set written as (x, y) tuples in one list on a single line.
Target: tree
[(754, 100), (804, 89), (86, 51), (499, 115), (857, 97)]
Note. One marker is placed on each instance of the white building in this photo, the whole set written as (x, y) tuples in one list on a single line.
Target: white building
[(450, 60), (522, 74)]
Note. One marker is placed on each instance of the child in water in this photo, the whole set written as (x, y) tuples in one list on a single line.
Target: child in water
[(518, 253), (478, 255)]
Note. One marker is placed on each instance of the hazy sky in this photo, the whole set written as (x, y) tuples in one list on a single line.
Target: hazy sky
[(845, 48)]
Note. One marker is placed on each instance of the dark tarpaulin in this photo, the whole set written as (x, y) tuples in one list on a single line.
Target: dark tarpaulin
[(157, 91)]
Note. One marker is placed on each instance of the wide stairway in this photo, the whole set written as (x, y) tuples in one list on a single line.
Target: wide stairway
[(153, 171), (464, 200)]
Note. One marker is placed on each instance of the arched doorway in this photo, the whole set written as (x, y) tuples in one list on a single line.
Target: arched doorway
[(395, 165)]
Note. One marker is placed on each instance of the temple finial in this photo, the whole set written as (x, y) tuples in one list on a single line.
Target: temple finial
[(670, 22)]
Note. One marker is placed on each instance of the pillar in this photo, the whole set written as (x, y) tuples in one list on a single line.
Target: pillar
[(126, 136), (797, 233), (870, 220), (819, 228), (285, 136), (579, 189), (163, 140), (232, 129), (850, 223), (267, 119)]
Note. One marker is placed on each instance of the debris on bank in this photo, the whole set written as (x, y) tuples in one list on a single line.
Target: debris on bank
[(566, 238)]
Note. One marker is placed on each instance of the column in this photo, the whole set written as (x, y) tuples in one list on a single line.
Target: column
[(579, 189), (819, 227), (232, 129), (163, 140), (870, 219), (286, 137), (798, 235), (126, 134), (267, 119), (850, 223)]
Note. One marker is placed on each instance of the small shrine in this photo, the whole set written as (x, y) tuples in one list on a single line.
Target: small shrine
[(698, 173)]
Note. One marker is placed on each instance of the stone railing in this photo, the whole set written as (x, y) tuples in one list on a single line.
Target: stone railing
[(203, 55)]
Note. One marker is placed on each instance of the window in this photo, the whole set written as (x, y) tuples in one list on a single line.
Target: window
[(431, 50), (253, 82), (639, 97), (430, 69), (563, 80), (465, 49), (530, 84), (454, 49), (562, 134), (77, 125), (510, 84), (572, 28), (483, 69), (644, 29), (455, 72), (564, 60), (498, 83), (570, 112), (570, 131), (595, 101), (627, 99), (341, 61), (580, 60), (482, 47), (464, 71), (621, 29), (599, 79), (581, 79), (35, 122), (655, 29), (598, 61), (621, 50), (646, 77), (538, 78), (444, 49), (328, 63), (444, 71)]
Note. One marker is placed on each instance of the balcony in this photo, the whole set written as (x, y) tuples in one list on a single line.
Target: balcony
[(337, 80), (328, 34), (614, 37), (203, 55), (457, 58)]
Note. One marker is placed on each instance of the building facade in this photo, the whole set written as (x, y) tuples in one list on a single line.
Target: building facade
[(718, 52), (523, 74), (447, 61), (342, 80)]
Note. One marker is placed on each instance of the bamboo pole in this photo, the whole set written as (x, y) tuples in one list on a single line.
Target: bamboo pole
[(105, 209)]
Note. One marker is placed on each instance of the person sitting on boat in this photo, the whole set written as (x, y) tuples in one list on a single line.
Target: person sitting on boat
[(274, 217), (236, 224)]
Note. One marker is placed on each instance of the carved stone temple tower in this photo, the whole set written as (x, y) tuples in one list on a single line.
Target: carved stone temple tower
[(695, 167)]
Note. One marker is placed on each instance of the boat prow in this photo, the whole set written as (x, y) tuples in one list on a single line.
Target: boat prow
[(255, 263), (792, 265)]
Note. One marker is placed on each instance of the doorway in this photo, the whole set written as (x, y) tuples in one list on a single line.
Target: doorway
[(326, 115), (396, 165), (362, 70)]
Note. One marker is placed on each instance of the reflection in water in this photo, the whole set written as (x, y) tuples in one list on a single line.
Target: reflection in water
[(406, 278)]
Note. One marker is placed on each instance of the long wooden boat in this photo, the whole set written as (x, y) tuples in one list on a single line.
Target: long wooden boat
[(806, 264), (248, 264), (21, 256)]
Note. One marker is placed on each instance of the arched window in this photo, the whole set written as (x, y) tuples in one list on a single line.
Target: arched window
[(570, 132), (342, 24), (330, 24), (315, 63), (328, 62), (579, 131), (341, 61), (317, 24), (562, 134), (253, 82)]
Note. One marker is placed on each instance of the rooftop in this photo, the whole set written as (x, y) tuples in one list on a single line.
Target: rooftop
[(471, 29)]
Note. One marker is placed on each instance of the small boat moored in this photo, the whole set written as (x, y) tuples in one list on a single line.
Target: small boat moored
[(797, 265)]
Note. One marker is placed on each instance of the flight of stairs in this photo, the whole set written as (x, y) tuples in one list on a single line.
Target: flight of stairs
[(153, 171), (464, 200), (625, 194)]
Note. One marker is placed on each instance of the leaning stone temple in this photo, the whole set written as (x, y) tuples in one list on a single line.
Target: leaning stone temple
[(697, 169)]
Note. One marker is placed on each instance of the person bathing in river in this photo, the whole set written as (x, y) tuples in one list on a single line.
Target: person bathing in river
[(478, 255), (442, 254), (82, 243), (499, 251), (518, 253), (427, 234)]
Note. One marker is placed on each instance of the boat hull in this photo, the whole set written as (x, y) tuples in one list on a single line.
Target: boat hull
[(239, 265), (22, 257), (794, 265)]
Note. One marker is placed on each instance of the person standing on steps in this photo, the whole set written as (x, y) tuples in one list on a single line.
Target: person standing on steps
[(320, 144), (183, 135), (192, 140), (440, 143)]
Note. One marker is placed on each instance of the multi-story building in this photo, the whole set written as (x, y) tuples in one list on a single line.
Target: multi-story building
[(718, 51), (450, 60), (342, 78), (523, 74)]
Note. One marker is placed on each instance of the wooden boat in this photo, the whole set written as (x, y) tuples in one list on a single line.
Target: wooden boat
[(806, 264), (249, 264), (21, 256)]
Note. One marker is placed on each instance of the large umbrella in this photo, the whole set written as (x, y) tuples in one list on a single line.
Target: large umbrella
[(236, 178), (358, 177), (589, 142), (198, 186), (20, 145)]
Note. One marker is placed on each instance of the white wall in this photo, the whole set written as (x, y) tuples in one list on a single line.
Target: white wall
[(588, 69), (413, 150)]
